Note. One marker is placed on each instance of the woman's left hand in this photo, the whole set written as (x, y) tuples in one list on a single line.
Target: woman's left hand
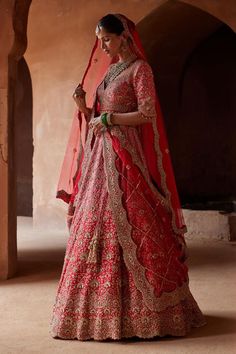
[(97, 125)]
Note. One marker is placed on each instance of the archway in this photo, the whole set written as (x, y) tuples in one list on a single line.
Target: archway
[(13, 25), (181, 31)]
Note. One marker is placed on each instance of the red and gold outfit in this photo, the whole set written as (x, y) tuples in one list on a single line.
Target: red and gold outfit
[(124, 273)]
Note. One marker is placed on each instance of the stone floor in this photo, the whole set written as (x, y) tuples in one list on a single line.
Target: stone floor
[(26, 300)]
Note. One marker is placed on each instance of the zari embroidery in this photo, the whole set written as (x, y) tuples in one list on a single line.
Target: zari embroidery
[(163, 178), (127, 244), (116, 69), (142, 165), (120, 97), (121, 264)]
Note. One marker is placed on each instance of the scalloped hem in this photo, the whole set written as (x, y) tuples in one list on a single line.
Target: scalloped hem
[(110, 337), (175, 321)]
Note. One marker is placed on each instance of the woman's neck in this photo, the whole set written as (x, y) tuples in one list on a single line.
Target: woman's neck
[(127, 56)]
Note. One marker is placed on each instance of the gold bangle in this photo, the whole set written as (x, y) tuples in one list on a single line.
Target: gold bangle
[(109, 118), (145, 117)]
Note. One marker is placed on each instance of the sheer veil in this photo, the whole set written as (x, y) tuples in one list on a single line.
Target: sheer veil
[(153, 136)]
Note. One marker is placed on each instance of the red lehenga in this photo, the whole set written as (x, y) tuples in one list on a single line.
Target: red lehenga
[(124, 273)]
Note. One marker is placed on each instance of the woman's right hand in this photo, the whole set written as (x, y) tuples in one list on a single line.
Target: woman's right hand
[(79, 98), (80, 102)]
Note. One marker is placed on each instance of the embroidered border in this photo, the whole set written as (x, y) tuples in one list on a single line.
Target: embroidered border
[(125, 143), (159, 155), (129, 247)]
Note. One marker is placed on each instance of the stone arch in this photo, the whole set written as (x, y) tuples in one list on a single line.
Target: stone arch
[(223, 11), (13, 20), (180, 29)]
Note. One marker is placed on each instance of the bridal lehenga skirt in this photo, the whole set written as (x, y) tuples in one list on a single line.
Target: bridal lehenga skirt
[(103, 291)]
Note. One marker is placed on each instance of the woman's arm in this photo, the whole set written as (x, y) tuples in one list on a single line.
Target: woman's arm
[(81, 104), (79, 98), (131, 118), (145, 92), (144, 88)]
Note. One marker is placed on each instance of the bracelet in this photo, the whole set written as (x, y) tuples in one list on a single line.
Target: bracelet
[(104, 119), (145, 117), (109, 118)]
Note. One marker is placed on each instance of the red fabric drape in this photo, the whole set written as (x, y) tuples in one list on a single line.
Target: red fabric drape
[(153, 137)]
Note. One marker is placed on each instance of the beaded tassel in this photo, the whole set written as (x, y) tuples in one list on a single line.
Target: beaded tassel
[(94, 246)]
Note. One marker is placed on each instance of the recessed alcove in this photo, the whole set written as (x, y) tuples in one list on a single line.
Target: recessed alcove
[(193, 56)]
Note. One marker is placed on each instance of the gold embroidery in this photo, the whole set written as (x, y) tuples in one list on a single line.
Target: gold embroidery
[(128, 245), (93, 249), (147, 107), (141, 164), (163, 178)]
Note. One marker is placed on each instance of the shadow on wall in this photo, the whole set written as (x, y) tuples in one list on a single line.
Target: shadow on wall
[(207, 114), (24, 139)]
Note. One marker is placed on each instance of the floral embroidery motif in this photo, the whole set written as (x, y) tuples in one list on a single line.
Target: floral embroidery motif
[(111, 285), (129, 248), (147, 107)]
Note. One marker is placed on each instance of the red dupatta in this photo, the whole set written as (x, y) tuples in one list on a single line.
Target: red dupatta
[(153, 136)]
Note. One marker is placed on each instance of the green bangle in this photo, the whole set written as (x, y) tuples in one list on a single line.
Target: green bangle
[(104, 119)]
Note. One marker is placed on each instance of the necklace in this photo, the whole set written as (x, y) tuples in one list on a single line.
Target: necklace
[(116, 69)]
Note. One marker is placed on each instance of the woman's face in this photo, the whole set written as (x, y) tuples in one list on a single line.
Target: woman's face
[(110, 42)]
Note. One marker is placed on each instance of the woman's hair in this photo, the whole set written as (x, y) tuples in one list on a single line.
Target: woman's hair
[(111, 24)]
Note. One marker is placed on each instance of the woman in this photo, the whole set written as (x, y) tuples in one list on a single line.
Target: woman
[(124, 271)]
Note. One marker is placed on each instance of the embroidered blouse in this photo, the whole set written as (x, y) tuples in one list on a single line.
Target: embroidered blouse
[(132, 90)]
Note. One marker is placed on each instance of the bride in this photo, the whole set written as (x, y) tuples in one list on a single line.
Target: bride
[(124, 271)]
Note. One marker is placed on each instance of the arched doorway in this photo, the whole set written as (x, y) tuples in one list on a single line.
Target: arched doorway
[(185, 35)]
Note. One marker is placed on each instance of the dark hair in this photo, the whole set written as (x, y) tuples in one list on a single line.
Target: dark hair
[(111, 24)]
